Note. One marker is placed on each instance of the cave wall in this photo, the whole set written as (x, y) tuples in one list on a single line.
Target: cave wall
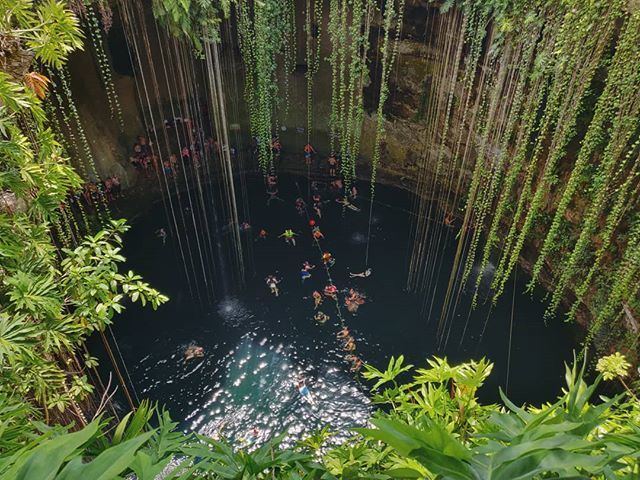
[(405, 124)]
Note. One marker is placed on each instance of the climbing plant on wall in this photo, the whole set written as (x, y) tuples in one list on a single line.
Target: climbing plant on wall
[(555, 79), (265, 39), (349, 29)]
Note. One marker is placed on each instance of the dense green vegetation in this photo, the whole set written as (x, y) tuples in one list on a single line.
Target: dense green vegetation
[(430, 427), (51, 297)]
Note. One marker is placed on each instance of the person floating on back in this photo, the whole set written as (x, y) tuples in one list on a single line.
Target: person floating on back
[(305, 393), (364, 274)]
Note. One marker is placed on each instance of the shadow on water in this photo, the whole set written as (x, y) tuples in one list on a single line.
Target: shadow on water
[(257, 345)]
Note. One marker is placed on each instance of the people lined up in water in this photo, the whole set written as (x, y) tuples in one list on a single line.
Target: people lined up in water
[(355, 361), (193, 351), (331, 291), (301, 206), (272, 282), (328, 259)]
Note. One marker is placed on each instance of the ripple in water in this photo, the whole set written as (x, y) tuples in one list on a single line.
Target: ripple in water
[(257, 398), (233, 312)]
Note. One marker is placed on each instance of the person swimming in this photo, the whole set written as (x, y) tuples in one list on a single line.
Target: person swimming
[(193, 351), (301, 206), (353, 301), (161, 233), (349, 345), (317, 234), (289, 236), (356, 363), (262, 234), (272, 282), (317, 298), (328, 259), (449, 218), (364, 274), (321, 317), (305, 273), (304, 392), (346, 203), (344, 333), (331, 291)]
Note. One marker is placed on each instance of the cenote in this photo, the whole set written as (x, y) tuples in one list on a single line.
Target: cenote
[(257, 345), (319, 239)]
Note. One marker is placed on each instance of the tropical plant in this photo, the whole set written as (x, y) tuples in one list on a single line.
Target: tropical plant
[(51, 298), (571, 437), (197, 20)]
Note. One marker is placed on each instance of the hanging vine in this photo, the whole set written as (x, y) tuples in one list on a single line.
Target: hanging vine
[(349, 30), (313, 30), (265, 37), (550, 76)]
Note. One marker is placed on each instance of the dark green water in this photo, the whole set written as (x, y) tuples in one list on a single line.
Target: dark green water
[(256, 344)]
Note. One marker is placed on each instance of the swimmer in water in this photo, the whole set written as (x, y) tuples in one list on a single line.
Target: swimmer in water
[(328, 259), (331, 291), (448, 219), (350, 344), (321, 317), (356, 364), (262, 234), (272, 282), (317, 298), (364, 274), (301, 206), (193, 351), (161, 233), (344, 333), (317, 234), (305, 393), (304, 274), (289, 236), (346, 203)]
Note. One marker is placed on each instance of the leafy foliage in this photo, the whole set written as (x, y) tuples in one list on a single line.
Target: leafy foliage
[(198, 20), (51, 298), (415, 438)]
